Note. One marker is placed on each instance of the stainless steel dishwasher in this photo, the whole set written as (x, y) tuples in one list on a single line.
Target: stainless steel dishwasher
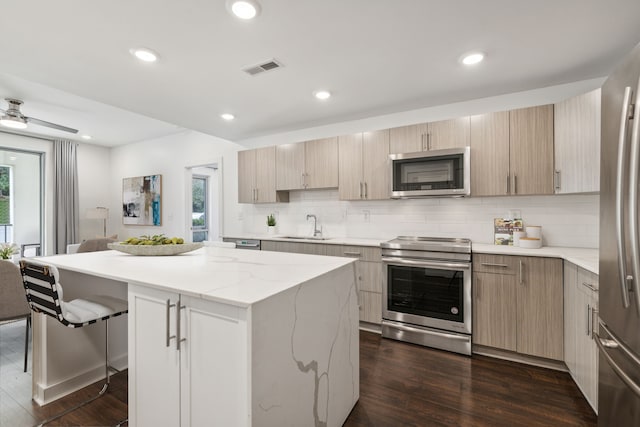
[(251, 244)]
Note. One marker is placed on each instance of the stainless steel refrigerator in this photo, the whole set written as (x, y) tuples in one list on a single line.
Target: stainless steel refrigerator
[(618, 335)]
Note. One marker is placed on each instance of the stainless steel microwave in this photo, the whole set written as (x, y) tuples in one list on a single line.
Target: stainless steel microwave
[(431, 173)]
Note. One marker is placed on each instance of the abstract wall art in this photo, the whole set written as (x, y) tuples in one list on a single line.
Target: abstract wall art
[(141, 200)]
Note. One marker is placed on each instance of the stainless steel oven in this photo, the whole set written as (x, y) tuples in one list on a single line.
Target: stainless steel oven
[(427, 292)]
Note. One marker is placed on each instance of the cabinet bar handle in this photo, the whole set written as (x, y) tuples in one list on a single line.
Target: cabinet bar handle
[(556, 180), (588, 319), (507, 188), (424, 148), (179, 338), (257, 195), (361, 190), (521, 281), (491, 264), (168, 315), (515, 184), (590, 286), (352, 253), (429, 141), (302, 180), (365, 190), (594, 316)]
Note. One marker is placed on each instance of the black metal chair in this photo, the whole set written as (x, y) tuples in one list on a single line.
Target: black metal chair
[(45, 295)]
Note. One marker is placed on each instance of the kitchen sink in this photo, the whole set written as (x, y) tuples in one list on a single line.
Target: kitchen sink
[(305, 237)]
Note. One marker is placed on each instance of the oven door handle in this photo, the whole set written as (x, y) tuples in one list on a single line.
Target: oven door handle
[(429, 332), (428, 264)]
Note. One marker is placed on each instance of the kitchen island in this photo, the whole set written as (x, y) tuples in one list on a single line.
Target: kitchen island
[(215, 337)]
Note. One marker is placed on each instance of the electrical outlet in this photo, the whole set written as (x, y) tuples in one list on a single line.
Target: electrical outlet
[(366, 215)]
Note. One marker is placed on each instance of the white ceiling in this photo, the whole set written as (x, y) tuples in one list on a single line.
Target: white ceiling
[(375, 56)]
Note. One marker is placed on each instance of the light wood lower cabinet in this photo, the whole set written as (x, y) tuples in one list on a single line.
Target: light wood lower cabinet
[(368, 270), (581, 352), (173, 386), (518, 304)]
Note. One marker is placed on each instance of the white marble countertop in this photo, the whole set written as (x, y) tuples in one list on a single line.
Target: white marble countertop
[(352, 241), (586, 258), (582, 257), (231, 276)]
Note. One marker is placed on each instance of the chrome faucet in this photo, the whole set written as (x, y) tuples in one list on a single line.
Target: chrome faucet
[(316, 232)]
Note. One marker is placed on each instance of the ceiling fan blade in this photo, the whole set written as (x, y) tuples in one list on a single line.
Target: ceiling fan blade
[(50, 125)]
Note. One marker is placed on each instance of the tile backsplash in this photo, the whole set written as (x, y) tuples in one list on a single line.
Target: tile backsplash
[(566, 220)]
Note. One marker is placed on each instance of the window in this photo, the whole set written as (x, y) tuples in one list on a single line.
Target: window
[(200, 208), (5, 204)]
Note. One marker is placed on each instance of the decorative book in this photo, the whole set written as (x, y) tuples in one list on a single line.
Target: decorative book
[(504, 228)]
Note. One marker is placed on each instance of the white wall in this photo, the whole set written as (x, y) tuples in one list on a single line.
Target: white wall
[(567, 220), (170, 156), (93, 188)]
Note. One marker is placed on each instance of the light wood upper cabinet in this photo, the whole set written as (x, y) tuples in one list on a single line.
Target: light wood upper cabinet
[(246, 176), (364, 166), (290, 166), (257, 176), (407, 139), (577, 144), (307, 165), (490, 154), (452, 133), (531, 150), (525, 293)]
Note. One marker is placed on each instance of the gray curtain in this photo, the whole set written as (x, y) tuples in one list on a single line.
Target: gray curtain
[(65, 196)]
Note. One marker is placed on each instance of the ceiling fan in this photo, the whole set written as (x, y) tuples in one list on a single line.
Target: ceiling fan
[(14, 119)]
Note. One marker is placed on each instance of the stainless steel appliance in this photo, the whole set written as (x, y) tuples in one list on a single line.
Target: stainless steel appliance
[(244, 243), (430, 173), (618, 336), (426, 292)]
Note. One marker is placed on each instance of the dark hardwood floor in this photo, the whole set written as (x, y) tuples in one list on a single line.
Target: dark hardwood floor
[(400, 385), (407, 385)]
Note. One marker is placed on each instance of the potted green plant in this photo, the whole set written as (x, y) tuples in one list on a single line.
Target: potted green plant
[(7, 250), (271, 224)]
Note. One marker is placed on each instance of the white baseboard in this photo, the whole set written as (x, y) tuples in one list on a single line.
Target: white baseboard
[(47, 394)]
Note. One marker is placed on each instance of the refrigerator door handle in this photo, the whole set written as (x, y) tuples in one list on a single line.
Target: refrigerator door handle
[(620, 197), (634, 174), (619, 343), (617, 369)]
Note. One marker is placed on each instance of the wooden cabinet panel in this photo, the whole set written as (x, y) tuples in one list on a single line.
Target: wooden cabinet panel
[(376, 167), (321, 163), (293, 247), (407, 139), (494, 310), (531, 150), (370, 276), (289, 166), (350, 167), (246, 176), (266, 175), (577, 143), (490, 154), (452, 133), (540, 317), (497, 264), (570, 315), (370, 307)]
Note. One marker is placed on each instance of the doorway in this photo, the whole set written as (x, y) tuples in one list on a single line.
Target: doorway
[(204, 202)]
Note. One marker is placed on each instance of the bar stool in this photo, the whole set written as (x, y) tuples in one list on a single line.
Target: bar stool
[(45, 295)]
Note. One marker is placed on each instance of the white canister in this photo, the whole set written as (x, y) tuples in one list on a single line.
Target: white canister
[(534, 231), (516, 237), (530, 242)]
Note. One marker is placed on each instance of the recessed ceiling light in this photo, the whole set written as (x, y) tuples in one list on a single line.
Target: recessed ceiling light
[(228, 117), (86, 137), (472, 58), (322, 94), (13, 122), (244, 9), (144, 54)]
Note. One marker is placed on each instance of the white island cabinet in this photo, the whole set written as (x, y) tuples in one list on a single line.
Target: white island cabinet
[(225, 337)]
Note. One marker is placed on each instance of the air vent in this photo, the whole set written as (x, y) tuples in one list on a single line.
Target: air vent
[(261, 68)]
